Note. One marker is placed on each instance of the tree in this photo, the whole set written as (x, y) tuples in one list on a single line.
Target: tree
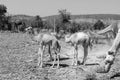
[(47, 25), (99, 25), (3, 10), (7, 23), (37, 23), (62, 23), (64, 15)]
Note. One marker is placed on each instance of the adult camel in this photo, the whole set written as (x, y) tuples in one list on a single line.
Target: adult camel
[(114, 27), (111, 53), (46, 39)]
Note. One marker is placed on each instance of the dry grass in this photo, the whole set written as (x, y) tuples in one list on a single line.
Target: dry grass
[(18, 58)]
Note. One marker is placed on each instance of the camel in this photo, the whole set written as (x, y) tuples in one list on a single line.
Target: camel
[(45, 39), (95, 37), (111, 53), (85, 39), (110, 57), (114, 27), (79, 38)]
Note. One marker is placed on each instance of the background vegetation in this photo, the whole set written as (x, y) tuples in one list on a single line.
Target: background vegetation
[(64, 21)]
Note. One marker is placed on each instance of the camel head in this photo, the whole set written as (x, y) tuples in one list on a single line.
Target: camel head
[(29, 30), (106, 64), (32, 30), (33, 33)]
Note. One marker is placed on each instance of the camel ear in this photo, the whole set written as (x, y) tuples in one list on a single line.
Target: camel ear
[(110, 53)]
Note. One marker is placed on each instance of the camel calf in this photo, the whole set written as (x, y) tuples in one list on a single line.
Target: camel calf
[(79, 38), (56, 52), (45, 39)]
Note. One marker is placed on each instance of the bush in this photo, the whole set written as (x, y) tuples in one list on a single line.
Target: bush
[(37, 22), (99, 25), (64, 16), (3, 10)]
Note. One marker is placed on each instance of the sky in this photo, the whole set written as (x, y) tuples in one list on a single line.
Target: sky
[(51, 7)]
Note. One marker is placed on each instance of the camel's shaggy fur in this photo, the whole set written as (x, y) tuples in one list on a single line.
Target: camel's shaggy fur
[(115, 28), (79, 38), (45, 39)]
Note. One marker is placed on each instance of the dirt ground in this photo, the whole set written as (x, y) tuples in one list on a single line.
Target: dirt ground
[(18, 61)]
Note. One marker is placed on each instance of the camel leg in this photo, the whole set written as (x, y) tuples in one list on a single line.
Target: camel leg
[(54, 61), (49, 50), (58, 60), (75, 55), (73, 63), (41, 56), (85, 54)]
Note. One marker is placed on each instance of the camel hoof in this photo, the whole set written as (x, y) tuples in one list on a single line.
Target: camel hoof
[(83, 63), (58, 67), (40, 66), (78, 63)]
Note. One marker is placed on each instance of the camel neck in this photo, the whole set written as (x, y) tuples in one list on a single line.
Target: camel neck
[(116, 43)]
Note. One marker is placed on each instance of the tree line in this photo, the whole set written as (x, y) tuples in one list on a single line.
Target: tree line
[(61, 23)]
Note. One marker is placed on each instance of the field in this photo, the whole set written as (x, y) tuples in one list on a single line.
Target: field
[(18, 61)]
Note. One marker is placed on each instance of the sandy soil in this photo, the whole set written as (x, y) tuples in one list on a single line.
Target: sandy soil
[(18, 59)]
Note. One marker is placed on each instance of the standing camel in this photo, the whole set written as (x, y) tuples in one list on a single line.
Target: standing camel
[(45, 39), (111, 53), (114, 27), (79, 38), (85, 39)]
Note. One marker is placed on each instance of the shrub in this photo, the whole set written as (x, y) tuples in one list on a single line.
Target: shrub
[(99, 25)]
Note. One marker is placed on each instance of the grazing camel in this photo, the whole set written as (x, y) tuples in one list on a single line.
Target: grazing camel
[(95, 37), (45, 39), (111, 54), (56, 50), (76, 39), (115, 27)]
